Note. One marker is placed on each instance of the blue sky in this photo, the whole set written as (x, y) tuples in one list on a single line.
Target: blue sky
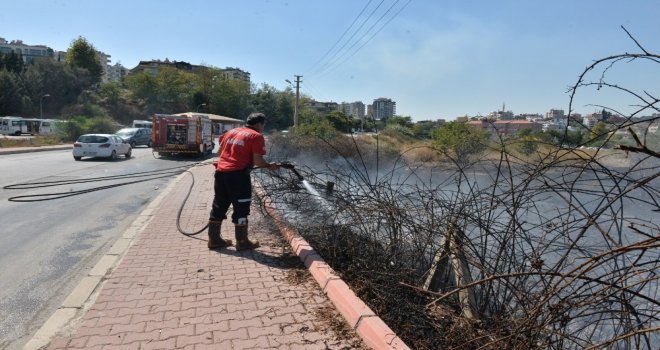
[(435, 58)]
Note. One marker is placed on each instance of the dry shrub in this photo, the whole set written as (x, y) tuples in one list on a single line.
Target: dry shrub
[(423, 155), (554, 251)]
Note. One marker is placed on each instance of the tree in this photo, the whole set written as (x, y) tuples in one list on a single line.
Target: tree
[(400, 120), (311, 124), (285, 109), (12, 62), (461, 139), (598, 134), (230, 98), (10, 98), (110, 92), (63, 82), (264, 100), (83, 55), (340, 121), (422, 130), (174, 90), (526, 142), (566, 138), (143, 87)]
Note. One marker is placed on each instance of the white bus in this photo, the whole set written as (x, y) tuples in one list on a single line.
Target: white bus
[(12, 126), (33, 126)]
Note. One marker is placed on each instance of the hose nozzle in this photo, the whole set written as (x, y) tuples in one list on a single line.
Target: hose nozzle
[(290, 166)]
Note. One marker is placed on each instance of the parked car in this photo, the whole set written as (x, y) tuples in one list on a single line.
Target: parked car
[(101, 145), (136, 136)]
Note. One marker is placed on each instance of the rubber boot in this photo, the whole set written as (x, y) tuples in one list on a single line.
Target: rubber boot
[(242, 241), (215, 241)]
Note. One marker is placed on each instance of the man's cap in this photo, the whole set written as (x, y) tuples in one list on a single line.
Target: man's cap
[(255, 118)]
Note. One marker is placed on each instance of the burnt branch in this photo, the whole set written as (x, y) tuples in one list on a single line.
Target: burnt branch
[(555, 249)]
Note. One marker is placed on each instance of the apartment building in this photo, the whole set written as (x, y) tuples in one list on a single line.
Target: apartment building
[(231, 73), (153, 67), (383, 108), (28, 52), (115, 73), (104, 60), (557, 116), (322, 107), (355, 109), (590, 120)]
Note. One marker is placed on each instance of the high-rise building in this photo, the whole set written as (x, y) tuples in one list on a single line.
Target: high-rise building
[(383, 108), (104, 60), (355, 109)]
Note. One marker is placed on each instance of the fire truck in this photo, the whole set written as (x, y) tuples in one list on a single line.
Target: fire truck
[(183, 133)]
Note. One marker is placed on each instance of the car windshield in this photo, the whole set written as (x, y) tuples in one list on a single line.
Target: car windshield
[(92, 139)]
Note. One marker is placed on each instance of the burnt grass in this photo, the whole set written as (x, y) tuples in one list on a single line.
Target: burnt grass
[(388, 290)]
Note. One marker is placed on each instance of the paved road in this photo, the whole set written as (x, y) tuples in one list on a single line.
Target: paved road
[(46, 246)]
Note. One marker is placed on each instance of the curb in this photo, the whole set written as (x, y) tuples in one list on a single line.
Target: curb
[(359, 316), (84, 294), (16, 150)]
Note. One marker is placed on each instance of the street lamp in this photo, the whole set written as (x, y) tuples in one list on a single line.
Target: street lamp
[(41, 109), (199, 105)]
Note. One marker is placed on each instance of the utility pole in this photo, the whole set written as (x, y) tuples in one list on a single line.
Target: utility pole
[(295, 108)]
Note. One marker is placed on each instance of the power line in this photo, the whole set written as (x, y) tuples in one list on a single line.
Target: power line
[(340, 38), (336, 61), (311, 89), (331, 59), (374, 35)]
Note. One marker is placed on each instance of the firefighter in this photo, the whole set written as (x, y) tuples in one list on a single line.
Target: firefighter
[(241, 149)]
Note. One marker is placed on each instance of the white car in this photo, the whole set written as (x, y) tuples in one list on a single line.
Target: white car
[(101, 145)]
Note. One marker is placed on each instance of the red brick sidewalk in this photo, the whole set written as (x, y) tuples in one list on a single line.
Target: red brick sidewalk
[(170, 292)]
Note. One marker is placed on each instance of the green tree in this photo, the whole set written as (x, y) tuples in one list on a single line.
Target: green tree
[(174, 88), (401, 125), (400, 120), (423, 130), (12, 62), (110, 92), (82, 54), (566, 138), (526, 141), (10, 98), (264, 100), (285, 109), (340, 121), (62, 82), (461, 139), (229, 98), (143, 88), (312, 124), (598, 134)]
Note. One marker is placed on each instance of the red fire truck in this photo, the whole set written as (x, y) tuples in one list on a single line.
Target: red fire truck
[(183, 133)]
